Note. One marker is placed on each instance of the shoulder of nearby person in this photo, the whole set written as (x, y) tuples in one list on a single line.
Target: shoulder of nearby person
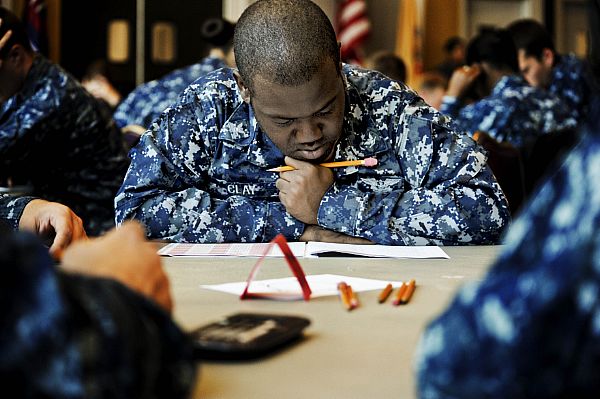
[(380, 95), (570, 70), (513, 89), (215, 89)]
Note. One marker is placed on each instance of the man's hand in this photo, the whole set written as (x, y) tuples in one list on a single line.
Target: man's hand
[(4, 39), (316, 233), (51, 218), (462, 78), (122, 254), (301, 190)]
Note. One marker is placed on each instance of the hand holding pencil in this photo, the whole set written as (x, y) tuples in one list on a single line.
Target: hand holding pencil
[(369, 162)]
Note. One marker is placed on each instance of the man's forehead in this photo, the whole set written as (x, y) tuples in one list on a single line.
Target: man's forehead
[(525, 58), (305, 99)]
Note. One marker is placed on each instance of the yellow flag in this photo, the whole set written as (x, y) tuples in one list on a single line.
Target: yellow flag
[(409, 37)]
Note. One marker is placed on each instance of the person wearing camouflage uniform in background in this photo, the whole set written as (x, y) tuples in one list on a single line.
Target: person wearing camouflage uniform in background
[(54, 136), (565, 76), (146, 102), (506, 107), (200, 173)]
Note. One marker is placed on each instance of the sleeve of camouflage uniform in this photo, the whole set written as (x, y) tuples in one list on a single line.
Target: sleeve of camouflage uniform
[(19, 122), (165, 187), (530, 328), (95, 337), (444, 192), (11, 209)]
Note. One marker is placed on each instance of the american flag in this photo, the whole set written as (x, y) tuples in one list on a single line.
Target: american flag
[(34, 18), (353, 27)]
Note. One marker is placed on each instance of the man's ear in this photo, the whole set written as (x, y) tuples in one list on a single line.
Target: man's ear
[(340, 51), (17, 56), (244, 90), (548, 57)]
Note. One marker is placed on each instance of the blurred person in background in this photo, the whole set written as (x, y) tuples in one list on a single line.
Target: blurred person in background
[(565, 76), (146, 102), (54, 136)]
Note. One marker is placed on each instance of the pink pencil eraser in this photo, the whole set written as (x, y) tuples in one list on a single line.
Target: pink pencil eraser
[(370, 161)]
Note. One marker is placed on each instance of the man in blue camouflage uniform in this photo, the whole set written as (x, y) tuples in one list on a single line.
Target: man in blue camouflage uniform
[(531, 328), (507, 108), (54, 136), (146, 102), (565, 76), (200, 173), (66, 334)]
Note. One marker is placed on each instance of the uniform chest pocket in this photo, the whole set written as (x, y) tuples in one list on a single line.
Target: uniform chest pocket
[(381, 184)]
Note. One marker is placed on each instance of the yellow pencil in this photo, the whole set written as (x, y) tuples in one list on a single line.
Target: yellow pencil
[(385, 293), (405, 293), (400, 294), (352, 296), (340, 164), (344, 295)]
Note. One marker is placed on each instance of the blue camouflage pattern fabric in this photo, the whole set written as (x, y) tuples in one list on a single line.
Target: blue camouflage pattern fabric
[(571, 82), (514, 112), (11, 209), (71, 336), (146, 102), (60, 140), (531, 328), (199, 174)]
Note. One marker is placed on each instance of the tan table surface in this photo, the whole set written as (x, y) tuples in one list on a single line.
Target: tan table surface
[(365, 353)]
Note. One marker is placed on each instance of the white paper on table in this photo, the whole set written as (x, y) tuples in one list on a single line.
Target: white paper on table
[(311, 249), (320, 285), (314, 248), (230, 249)]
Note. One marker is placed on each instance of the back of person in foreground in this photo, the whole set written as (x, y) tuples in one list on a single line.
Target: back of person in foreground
[(531, 328), (200, 173)]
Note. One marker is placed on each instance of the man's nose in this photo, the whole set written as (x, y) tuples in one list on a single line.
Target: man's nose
[(309, 131)]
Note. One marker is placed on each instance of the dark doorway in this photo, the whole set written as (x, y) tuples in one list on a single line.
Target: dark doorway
[(84, 29)]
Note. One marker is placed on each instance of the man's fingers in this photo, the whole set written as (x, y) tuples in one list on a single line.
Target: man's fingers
[(296, 163), (130, 232), (67, 231), (5, 38)]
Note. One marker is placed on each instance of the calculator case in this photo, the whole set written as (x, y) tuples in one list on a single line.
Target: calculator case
[(246, 336)]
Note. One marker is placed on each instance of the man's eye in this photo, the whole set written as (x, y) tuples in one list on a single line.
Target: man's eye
[(322, 113), (284, 122)]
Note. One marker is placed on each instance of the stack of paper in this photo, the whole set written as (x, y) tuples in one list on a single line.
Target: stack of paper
[(303, 249)]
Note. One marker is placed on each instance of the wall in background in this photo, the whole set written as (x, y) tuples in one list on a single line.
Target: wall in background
[(444, 18)]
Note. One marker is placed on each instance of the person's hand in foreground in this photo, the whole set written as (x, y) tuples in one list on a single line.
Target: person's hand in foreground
[(51, 219), (125, 255)]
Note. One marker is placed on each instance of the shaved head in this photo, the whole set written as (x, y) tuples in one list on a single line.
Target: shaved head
[(284, 42)]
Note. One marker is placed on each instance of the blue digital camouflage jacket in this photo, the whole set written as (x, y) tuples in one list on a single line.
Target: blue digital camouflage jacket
[(11, 209), (531, 328), (71, 336), (60, 140), (571, 82), (146, 102), (514, 112), (200, 173)]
